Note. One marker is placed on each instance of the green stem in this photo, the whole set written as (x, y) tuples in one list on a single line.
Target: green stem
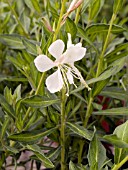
[(101, 58), (88, 114), (81, 145), (60, 19), (17, 19), (116, 167), (40, 84), (62, 130), (15, 164)]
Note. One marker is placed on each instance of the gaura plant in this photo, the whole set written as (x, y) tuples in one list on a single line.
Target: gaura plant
[(48, 47)]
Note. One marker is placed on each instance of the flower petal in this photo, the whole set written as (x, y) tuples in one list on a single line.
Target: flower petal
[(55, 82), (56, 48), (69, 43), (78, 45), (74, 53), (70, 77), (43, 63)]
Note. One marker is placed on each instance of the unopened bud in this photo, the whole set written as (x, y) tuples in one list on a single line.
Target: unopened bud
[(46, 24), (74, 4)]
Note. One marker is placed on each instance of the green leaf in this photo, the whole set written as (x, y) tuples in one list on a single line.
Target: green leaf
[(8, 95), (38, 152), (72, 166), (7, 108), (48, 43), (79, 97), (25, 20), (53, 154), (11, 149), (30, 46), (97, 154), (20, 6), (122, 131), (117, 56), (116, 67), (36, 5), (4, 127), (29, 4), (122, 111), (18, 62), (78, 89), (53, 11), (30, 137), (114, 140), (79, 130), (71, 27), (95, 9), (86, 3), (119, 52), (115, 92), (17, 93), (83, 35), (13, 41), (99, 86), (120, 154), (121, 47), (12, 78), (37, 101), (103, 28)]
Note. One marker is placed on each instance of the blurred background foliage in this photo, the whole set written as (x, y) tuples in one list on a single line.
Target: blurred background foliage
[(26, 29)]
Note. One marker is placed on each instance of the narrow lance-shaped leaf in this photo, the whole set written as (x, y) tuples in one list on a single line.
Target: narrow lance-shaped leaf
[(99, 86), (30, 46), (25, 20), (39, 101), (118, 49), (115, 92), (114, 140), (97, 154), (71, 27), (95, 9), (122, 131), (115, 67), (114, 111), (8, 108), (103, 28), (30, 137), (36, 5), (11, 149), (5, 126), (38, 152), (86, 3), (72, 166), (79, 130), (52, 155), (83, 35), (29, 4), (13, 41), (12, 78)]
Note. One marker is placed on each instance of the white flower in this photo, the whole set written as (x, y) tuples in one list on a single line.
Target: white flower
[(64, 62)]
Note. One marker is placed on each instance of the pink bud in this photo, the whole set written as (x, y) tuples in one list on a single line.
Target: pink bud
[(74, 4)]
